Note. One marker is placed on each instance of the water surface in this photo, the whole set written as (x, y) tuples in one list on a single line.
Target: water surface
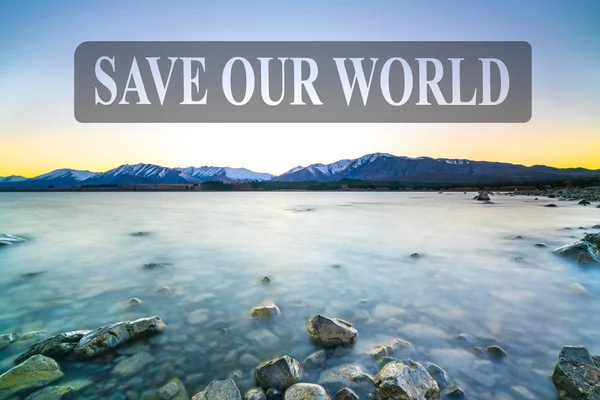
[(341, 254)]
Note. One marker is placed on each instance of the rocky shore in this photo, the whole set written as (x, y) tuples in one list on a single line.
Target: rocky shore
[(585, 195)]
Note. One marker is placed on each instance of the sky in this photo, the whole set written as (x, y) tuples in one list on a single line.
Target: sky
[(39, 133)]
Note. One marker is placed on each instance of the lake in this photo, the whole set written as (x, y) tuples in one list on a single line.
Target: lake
[(343, 254)]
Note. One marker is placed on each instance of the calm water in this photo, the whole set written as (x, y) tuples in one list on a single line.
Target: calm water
[(473, 277)]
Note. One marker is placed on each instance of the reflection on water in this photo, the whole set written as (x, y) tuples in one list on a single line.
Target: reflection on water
[(479, 272)]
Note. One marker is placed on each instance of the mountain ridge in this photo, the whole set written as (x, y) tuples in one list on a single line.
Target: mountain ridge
[(373, 166)]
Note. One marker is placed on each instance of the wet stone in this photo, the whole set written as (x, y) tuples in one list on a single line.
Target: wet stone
[(255, 394), (267, 311), (438, 374), (56, 346), (315, 360), (174, 390), (346, 376), (36, 372), (53, 393), (219, 390), (405, 380), (576, 376), (331, 331), (274, 394), (453, 392), (279, 373), (132, 365), (495, 351), (305, 391), (346, 394), (113, 335)]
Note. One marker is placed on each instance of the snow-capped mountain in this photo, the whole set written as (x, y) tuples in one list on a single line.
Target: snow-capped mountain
[(384, 166), (376, 166), (155, 174), (12, 178)]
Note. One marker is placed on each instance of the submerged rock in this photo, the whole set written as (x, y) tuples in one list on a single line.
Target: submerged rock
[(274, 394), (267, 311), (6, 240), (341, 377), (279, 373), (405, 380), (331, 331), (576, 376), (132, 365), (134, 301), (465, 337), (584, 203), (38, 371), (266, 279), (219, 390), (550, 205), (53, 393), (315, 360), (255, 394), (438, 375), (482, 196), (174, 390), (453, 392), (389, 350), (56, 346), (586, 250), (306, 391), (138, 234), (110, 336), (346, 394), (495, 351), (7, 339), (577, 288), (156, 265)]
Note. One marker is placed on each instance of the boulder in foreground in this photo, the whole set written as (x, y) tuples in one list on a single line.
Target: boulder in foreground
[(37, 372), (280, 373), (110, 336), (219, 390), (405, 380), (53, 393), (331, 331), (576, 375)]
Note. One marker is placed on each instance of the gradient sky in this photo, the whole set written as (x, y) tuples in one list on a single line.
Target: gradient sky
[(38, 132)]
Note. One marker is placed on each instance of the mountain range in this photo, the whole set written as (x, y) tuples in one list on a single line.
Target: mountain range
[(376, 167)]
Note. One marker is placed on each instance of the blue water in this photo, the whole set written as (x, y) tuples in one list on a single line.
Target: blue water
[(344, 255)]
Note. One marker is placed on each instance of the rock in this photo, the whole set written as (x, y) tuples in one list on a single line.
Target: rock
[(331, 331), (33, 335), (219, 390), (589, 245), (540, 245), (170, 390), (596, 226), (465, 337), (495, 351), (438, 375), (7, 339), (110, 336), (585, 259), (56, 346), (305, 391), (576, 376), (577, 288), (415, 255), (255, 394), (584, 203), (550, 205), (156, 265), (138, 234), (453, 392), (274, 394), (134, 301), (389, 350), (198, 316), (405, 380), (279, 373), (346, 394), (267, 311), (315, 360), (164, 289), (36, 372), (53, 393), (266, 279), (384, 360), (6, 240), (249, 360), (482, 196), (341, 377), (263, 338), (132, 365)]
